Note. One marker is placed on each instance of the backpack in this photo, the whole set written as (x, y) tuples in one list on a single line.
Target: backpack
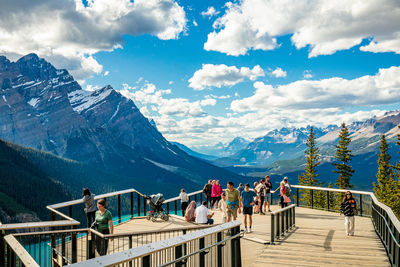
[(288, 190)]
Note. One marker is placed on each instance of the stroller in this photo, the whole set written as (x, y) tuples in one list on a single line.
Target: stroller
[(155, 202)]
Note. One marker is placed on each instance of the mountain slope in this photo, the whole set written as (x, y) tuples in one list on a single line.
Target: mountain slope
[(24, 188), (44, 108)]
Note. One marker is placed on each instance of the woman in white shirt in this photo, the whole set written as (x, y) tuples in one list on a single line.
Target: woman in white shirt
[(184, 201), (222, 206)]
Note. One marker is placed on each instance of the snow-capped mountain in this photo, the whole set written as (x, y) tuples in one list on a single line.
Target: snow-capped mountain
[(221, 149), (289, 143), (45, 108)]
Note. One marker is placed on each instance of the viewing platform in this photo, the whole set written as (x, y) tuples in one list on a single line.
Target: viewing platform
[(293, 236)]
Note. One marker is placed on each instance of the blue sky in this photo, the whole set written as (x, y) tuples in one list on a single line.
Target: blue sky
[(154, 52)]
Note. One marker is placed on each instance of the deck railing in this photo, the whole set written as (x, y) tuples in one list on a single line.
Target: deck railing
[(282, 221), (207, 247), (386, 224)]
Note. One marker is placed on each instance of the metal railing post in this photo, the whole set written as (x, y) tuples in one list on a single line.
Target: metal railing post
[(195, 198), (272, 199), (176, 207), (201, 197), (202, 261), (74, 247), (70, 211), (312, 198), (131, 205), (286, 220), (278, 227), (361, 207), (178, 254), (138, 204), (144, 207), (219, 250), (297, 197), (146, 261), (327, 199), (130, 246), (238, 254), (119, 208), (272, 228), (63, 248), (168, 208)]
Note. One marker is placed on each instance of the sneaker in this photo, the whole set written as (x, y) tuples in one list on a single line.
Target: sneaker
[(262, 213), (250, 230), (269, 210)]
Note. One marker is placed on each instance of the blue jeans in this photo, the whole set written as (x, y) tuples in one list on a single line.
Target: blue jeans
[(210, 221)]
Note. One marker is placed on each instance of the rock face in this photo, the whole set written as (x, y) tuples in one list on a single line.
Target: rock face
[(45, 108)]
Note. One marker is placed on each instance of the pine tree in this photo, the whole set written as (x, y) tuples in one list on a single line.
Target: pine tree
[(385, 185), (343, 157), (309, 176), (331, 198)]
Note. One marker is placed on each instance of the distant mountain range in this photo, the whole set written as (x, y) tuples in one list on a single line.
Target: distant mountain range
[(45, 108), (219, 150), (281, 152)]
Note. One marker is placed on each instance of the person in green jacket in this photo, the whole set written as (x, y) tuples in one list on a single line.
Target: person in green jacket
[(105, 226)]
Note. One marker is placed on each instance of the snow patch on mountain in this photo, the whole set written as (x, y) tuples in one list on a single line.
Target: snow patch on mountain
[(164, 166), (82, 100), (33, 102)]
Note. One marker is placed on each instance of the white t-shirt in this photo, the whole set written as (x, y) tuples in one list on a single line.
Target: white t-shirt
[(202, 213), (184, 197)]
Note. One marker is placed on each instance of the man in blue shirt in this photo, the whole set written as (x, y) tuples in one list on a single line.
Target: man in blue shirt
[(247, 203)]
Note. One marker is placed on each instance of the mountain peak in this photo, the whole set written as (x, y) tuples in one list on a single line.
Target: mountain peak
[(29, 57)]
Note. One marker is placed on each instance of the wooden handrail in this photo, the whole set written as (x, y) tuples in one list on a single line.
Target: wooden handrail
[(20, 251), (30, 225)]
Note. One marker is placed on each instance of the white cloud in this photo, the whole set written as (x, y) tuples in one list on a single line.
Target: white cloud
[(67, 33), (170, 82), (222, 75), (380, 89), (279, 73), (307, 74), (106, 73), (325, 26), (148, 94), (195, 23), (211, 12), (92, 88)]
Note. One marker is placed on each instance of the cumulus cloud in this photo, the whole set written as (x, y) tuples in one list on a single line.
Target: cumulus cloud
[(69, 33), (380, 89), (148, 94), (324, 26), (211, 12), (279, 73), (222, 75)]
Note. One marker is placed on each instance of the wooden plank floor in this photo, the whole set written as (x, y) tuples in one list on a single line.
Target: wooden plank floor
[(318, 240)]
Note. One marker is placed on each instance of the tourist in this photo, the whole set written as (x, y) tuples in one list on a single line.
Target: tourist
[(90, 206), (261, 190), (207, 190), (233, 200), (284, 192), (240, 188), (203, 214), (268, 186), (223, 207), (184, 201), (247, 197), (190, 212), (104, 225), (349, 209), (256, 209), (216, 192)]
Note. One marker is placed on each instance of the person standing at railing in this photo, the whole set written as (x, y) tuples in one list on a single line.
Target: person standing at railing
[(90, 206), (256, 208), (184, 201), (223, 207), (234, 201), (285, 191), (247, 197), (207, 190), (216, 192), (261, 189), (268, 186), (349, 209), (104, 226)]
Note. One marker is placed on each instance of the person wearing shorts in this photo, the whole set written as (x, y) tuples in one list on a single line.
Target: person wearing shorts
[(233, 201), (247, 198)]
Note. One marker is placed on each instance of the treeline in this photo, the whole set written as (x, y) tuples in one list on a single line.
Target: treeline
[(23, 187), (386, 188)]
